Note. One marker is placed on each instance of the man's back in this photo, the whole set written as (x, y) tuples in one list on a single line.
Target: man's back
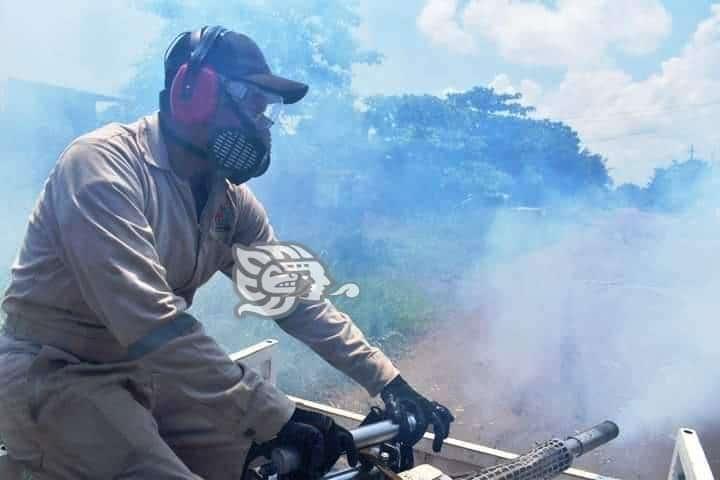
[(98, 348), (157, 211)]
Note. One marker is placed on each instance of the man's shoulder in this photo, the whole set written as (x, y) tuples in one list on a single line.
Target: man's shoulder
[(111, 153), (244, 196), (115, 135), (110, 130), (114, 144)]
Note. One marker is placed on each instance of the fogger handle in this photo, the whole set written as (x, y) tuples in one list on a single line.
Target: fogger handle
[(592, 438), (287, 459)]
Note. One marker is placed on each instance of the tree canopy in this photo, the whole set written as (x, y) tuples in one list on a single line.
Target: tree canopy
[(389, 154)]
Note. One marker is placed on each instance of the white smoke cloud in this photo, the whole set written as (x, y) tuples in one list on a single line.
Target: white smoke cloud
[(612, 318), (74, 43)]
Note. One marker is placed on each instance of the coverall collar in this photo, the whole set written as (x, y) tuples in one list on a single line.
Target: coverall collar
[(152, 143)]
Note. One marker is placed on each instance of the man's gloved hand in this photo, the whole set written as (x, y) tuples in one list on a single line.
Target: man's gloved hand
[(319, 440), (401, 399)]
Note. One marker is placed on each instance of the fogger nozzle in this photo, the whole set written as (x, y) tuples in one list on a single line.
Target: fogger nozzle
[(592, 438)]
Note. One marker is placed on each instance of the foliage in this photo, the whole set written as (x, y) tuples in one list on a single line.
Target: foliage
[(420, 152), (389, 308), (478, 144), (307, 40), (629, 195), (675, 188)]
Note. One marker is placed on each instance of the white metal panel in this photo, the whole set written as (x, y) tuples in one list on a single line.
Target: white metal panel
[(689, 461), (259, 357)]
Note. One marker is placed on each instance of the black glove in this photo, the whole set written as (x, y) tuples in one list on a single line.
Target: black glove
[(319, 440), (401, 399)]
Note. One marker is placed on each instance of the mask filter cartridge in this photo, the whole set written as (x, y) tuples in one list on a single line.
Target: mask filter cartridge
[(237, 156)]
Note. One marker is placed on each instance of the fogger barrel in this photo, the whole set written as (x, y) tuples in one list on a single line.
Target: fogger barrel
[(287, 460), (547, 460), (552, 457), (592, 438)]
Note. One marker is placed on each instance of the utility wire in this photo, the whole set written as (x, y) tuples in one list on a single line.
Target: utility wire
[(670, 108), (650, 133), (646, 133)]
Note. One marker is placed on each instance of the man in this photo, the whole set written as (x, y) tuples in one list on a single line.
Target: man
[(104, 372)]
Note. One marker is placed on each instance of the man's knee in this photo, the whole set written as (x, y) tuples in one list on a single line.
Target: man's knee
[(95, 427)]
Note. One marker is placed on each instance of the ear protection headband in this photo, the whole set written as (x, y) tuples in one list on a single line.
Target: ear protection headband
[(195, 89)]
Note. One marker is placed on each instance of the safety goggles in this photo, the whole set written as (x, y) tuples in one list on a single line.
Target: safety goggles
[(248, 97)]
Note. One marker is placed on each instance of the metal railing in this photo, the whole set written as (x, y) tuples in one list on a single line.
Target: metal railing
[(689, 461)]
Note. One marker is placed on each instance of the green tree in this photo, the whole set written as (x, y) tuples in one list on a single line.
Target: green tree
[(307, 40), (678, 186), (478, 144)]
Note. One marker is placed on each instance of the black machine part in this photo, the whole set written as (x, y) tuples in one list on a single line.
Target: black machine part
[(592, 438), (287, 460), (553, 457), (546, 460)]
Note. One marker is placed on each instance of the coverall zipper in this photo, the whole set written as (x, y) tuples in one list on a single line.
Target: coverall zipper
[(200, 222)]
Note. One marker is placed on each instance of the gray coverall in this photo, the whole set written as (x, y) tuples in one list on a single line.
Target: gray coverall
[(102, 374)]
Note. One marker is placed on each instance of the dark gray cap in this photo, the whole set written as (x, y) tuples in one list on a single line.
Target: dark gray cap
[(237, 57)]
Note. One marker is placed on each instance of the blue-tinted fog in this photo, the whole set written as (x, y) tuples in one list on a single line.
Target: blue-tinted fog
[(596, 300)]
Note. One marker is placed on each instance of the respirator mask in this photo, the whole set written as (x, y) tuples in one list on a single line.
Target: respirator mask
[(243, 152), (209, 68)]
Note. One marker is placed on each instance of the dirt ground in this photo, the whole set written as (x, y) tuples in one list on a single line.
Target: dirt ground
[(612, 322)]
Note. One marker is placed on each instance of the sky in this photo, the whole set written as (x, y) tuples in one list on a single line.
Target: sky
[(638, 80)]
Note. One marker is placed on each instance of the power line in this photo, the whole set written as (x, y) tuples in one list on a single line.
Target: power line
[(646, 133), (649, 132), (670, 108)]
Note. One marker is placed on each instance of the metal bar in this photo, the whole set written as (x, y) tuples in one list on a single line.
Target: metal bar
[(592, 438), (259, 357), (464, 455), (287, 460), (689, 461), (346, 474), (373, 434)]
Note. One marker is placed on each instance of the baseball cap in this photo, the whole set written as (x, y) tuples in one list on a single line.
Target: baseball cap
[(237, 57)]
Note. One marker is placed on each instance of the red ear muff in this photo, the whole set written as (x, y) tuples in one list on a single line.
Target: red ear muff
[(201, 103)]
